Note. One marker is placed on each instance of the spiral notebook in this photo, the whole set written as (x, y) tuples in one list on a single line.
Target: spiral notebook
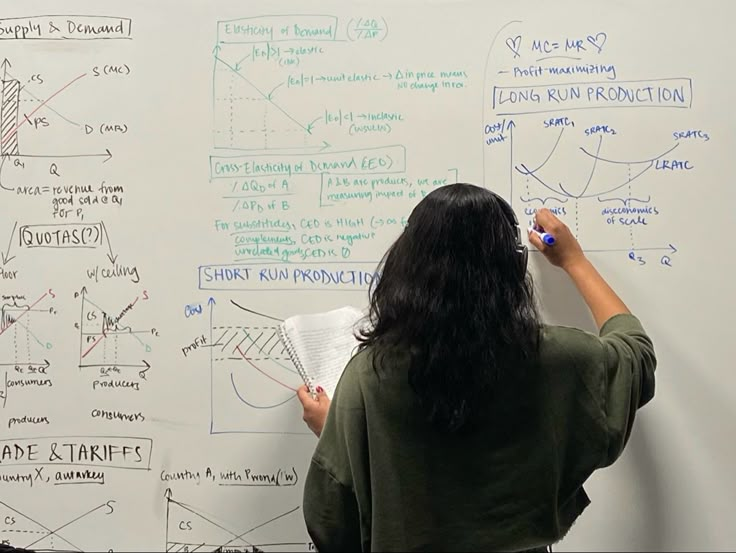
[(320, 345)]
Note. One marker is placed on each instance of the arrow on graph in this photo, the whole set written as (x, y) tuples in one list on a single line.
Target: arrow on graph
[(211, 304), (107, 154), (270, 94), (5, 66), (40, 366), (238, 66), (142, 373), (510, 127), (310, 125), (668, 248), (112, 257), (6, 256)]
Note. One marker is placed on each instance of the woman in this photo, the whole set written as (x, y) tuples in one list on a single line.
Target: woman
[(463, 423)]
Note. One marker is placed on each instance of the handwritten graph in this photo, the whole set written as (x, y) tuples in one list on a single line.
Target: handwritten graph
[(109, 341), (255, 106), (189, 528), (22, 530), (30, 109), (24, 348), (254, 382), (601, 153)]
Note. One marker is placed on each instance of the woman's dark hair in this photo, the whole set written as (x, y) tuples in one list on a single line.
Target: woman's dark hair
[(454, 293)]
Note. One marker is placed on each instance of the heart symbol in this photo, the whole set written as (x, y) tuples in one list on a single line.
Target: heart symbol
[(513, 44), (598, 40)]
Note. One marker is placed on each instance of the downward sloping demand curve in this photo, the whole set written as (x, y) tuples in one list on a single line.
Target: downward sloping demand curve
[(24, 532), (203, 533)]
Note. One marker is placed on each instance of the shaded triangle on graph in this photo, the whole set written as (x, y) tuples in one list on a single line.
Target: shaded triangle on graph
[(187, 528), (22, 531)]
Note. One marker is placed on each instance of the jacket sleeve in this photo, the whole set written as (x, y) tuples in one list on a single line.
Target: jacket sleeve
[(628, 379), (332, 510)]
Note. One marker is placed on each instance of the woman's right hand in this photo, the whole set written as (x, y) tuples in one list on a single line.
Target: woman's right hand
[(566, 250), (315, 408)]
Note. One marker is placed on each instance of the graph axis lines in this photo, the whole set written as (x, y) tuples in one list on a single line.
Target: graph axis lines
[(12, 122), (226, 537), (22, 353), (114, 330), (41, 533), (249, 368), (274, 122)]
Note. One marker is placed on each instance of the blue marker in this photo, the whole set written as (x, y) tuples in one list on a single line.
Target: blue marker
[(545, 237)]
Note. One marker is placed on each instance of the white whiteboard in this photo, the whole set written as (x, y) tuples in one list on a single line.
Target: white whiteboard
[(179, 176)]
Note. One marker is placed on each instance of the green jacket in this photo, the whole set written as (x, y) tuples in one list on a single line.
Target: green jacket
[(382, 479)]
